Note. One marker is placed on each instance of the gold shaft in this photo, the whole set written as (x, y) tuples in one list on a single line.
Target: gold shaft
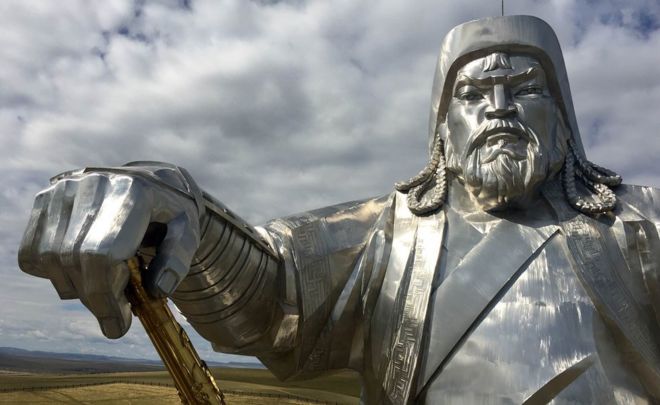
[(191, 376)]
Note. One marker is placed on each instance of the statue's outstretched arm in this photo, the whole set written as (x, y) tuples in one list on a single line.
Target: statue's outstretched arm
[(277, 292)]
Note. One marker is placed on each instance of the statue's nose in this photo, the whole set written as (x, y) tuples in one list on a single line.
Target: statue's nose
[(500, 106)]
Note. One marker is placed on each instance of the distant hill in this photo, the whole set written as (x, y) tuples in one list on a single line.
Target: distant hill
[(13, 359)]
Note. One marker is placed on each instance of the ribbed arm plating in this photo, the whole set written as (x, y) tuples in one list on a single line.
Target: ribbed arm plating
[(231, 295)]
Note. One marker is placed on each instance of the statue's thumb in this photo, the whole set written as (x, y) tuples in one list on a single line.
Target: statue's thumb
[(173, 256)]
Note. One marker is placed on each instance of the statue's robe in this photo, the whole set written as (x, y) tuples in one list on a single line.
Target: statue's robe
[(537, 305)]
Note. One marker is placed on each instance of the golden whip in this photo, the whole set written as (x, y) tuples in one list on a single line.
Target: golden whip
[(191, 376)]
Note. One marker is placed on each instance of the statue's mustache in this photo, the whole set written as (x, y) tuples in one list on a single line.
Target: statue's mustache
[(498, 127)]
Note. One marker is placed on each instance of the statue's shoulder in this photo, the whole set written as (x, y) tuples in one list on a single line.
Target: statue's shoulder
[(643, 200), (365, 211), (330, 230)]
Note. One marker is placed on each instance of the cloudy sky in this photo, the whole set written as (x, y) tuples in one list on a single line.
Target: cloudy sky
[(273, 106)]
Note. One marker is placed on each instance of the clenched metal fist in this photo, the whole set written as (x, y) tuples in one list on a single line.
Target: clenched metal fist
[(88, 222)]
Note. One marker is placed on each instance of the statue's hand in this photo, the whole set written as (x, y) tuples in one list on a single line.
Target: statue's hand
[(88, 222)]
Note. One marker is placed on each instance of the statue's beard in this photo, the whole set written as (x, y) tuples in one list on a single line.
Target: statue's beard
[(504, 163)]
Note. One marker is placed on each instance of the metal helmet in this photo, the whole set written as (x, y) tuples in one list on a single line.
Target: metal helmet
[(517, 34)]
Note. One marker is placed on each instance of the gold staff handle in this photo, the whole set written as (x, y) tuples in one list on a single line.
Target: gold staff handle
[(191, 376)]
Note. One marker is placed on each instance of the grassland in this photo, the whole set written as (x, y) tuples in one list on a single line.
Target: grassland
[(241, 386)]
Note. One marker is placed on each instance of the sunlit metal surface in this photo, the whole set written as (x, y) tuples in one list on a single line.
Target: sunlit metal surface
[(507, 271)]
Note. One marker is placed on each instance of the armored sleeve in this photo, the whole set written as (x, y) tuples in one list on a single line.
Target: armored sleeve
[(286, 292), (231, 295)]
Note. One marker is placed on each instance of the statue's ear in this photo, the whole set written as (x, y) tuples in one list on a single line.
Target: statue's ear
[(442, 131), (451, 159), (562, 127)]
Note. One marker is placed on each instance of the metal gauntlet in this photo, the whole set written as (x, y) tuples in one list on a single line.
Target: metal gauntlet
[(230, 295)]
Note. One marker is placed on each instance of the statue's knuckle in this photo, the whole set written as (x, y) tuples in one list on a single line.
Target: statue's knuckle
[(67, 256), (129, 185), (26, 243), (42, 195), (138, 186), (25, 257), (94, 255), (42, 251), (94, 177)]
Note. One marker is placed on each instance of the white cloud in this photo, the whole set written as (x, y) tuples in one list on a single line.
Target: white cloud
[(274, 108)]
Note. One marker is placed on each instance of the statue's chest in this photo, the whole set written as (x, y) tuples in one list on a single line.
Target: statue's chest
[(524, 320)]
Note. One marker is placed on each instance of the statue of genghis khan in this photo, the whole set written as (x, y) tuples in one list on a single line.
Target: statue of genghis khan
[(510, 270)]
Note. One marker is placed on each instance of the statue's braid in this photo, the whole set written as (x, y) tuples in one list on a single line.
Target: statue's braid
[(593, 172), (606, 197), (437, 183), (426, 173), (440, 191)]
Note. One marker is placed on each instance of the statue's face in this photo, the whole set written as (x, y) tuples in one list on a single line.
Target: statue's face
[(504, 131)]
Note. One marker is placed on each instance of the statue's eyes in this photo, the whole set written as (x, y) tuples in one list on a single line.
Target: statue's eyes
[(530, 91), (469, 93)]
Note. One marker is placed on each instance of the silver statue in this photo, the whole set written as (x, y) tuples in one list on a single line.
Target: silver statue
[(510, 270)]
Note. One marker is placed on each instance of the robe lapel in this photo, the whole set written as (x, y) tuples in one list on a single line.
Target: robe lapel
[(413, 301), (403, 300), (474, 286), (382, 322)]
